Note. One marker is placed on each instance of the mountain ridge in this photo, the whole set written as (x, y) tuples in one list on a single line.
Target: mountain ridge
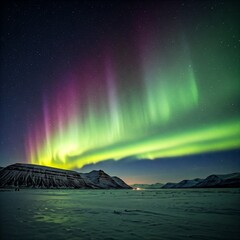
[(37, 176), (212, 181)]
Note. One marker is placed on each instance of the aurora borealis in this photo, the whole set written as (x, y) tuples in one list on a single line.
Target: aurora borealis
[(111, 125), (155, 82)]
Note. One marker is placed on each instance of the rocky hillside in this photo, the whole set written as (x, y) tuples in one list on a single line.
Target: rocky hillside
[(36, 176)]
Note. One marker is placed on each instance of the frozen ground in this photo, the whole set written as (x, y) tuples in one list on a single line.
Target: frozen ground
[(120, 214)]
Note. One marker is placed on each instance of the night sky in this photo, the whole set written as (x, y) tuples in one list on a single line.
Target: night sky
[(146, 90)]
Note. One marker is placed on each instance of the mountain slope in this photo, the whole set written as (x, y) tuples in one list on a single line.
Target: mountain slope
[(169, 185), (120, 182), (212, 181), (226, 180), (36, 176), (188, 183)]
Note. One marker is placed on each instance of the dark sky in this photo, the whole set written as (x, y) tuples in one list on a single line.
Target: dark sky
[(87, 81)]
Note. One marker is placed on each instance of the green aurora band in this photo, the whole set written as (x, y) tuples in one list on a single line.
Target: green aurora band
[(155, 104)]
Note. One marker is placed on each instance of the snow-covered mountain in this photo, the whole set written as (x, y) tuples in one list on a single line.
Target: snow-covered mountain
[(188, 183), (169, 185), (119, 181), (226, 180), (212, 181), (37, 176)]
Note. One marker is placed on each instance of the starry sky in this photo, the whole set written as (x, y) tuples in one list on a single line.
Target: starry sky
[(145, 90)]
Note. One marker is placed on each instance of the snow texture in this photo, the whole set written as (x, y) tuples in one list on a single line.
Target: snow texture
[(163, 214)]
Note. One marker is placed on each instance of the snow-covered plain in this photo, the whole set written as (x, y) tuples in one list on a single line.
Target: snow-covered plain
[(120, 214)]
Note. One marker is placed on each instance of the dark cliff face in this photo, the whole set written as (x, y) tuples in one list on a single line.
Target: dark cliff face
[(36, 176)]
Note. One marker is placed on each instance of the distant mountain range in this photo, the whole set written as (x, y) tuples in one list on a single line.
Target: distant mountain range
[(212, 181), (148, 186), (37, 176)]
